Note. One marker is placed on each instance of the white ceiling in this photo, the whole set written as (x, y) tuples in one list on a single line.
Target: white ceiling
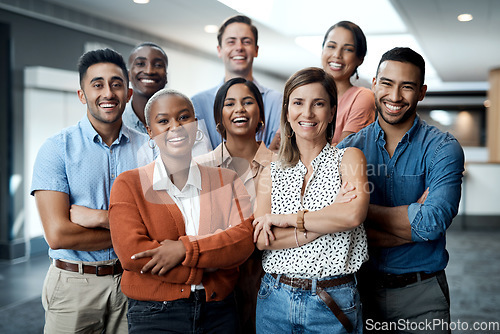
[(459, 55)]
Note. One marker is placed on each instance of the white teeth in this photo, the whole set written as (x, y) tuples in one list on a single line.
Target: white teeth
[(107, 105), (307, 123), (238, 57), (240, 119), (147, 81), (393, 108), (176, 139), (335, 65)]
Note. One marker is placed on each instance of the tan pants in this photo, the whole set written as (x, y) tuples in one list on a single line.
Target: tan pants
[(83, 303)]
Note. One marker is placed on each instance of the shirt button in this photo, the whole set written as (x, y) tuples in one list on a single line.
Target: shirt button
[(182, 290), (111, 151), (113, 176)]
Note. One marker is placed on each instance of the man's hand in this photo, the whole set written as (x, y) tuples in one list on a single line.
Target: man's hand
[(163, 258), (89, 218)]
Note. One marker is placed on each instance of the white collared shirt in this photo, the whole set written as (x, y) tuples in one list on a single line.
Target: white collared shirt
[(187, 199)]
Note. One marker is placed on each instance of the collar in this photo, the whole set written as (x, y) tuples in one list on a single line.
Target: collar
[(315, 163), (89, 131), (408, 136), (263, 156), (131, 116), (161, 179), (414, 128)]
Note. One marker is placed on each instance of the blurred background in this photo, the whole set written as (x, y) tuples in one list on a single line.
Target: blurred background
[(41, 41)]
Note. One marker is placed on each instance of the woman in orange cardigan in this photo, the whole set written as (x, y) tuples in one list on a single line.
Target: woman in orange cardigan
[(180, 230)]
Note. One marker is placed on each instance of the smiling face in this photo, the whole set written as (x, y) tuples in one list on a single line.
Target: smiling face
[(148, 70), (238, 49), (105, 92), (240, 114), (397, 90), (172, 125), (309, 113), (338, 57)]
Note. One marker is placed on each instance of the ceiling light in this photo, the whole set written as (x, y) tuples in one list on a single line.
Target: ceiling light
[(141, 2), (465, 17), (211, 28)]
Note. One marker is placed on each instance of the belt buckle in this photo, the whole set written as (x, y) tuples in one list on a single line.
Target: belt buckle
[(99, 266)]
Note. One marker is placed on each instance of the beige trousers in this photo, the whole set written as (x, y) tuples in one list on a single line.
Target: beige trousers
[(83, 303)]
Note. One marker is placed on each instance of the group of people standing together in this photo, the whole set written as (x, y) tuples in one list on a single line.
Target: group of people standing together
[(310, 214)]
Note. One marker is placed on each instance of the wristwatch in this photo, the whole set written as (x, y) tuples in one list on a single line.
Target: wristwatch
[(300, 220)]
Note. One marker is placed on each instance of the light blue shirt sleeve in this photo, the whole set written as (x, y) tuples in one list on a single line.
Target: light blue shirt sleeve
[(49, 171)]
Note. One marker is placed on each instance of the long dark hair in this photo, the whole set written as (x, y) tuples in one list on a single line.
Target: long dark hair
[(221, 96)]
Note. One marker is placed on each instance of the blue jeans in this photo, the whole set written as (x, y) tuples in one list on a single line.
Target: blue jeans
[(189, 315), (283, 309)]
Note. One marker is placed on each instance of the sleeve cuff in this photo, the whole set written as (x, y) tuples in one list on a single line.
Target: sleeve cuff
[(192, 251), (415, 217)]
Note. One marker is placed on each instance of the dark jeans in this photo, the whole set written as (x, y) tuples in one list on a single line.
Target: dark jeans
[(189, 315)]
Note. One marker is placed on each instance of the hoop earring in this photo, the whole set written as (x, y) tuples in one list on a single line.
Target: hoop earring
[(153, 145), (199, 135), (291, 135), (260, 126)]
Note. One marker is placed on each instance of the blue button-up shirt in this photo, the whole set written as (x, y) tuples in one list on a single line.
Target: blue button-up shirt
[(424, 158), (204, 109), (76, 161)]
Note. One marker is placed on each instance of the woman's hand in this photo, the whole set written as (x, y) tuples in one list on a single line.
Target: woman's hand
[(345, 194), (265, 224), (163, 258)]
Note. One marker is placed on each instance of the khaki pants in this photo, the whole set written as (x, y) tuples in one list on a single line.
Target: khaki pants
[(83, 303)]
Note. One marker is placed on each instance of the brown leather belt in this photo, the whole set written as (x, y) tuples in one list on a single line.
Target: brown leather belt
[(306, 284), (393, 281), (98, 270)]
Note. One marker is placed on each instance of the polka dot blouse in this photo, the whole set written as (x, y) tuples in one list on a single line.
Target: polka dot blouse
[(331, 254)]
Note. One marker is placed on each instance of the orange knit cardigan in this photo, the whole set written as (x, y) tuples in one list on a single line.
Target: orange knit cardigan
[(140, 218)]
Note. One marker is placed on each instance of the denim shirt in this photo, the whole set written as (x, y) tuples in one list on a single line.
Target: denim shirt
[(204, 109), (77, 162), (424, 158)]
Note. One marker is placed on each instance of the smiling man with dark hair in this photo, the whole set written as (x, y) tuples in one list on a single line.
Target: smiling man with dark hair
[(72, 178), (416, 173), (237, 47)]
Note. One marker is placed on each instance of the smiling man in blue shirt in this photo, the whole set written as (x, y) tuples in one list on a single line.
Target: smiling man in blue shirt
[(72, 178), (415, 173), (237, 38)]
